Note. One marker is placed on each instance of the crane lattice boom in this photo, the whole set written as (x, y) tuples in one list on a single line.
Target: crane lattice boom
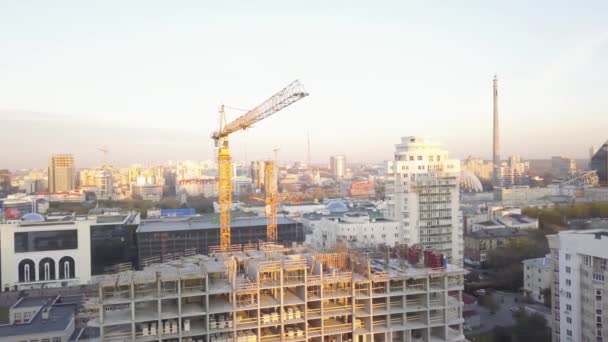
[(288, 95)]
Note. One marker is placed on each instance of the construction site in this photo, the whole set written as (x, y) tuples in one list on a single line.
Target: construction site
[(266, 292)]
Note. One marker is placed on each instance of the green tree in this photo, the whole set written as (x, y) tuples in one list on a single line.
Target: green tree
[(530, 327)]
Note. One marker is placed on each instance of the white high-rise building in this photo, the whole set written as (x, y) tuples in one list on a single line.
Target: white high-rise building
[(337, 165), (422, 192), (580, 287), (103, 182)]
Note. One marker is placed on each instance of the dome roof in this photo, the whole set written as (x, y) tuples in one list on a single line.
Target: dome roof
[(336, 207), (32, 217), (469, 182)]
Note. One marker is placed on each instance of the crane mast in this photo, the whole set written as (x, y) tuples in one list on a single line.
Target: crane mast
[(285, 97)]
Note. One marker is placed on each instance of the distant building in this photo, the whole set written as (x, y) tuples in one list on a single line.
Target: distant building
[(599, 162), (538, 275), (478, 244), (61, 173), (469, 182), (148, 192), (563, 167), (479, 167), (356, 229), (36, 253), (257, 175), (5, 183), (208, 187), (15, 206), (364, 189), (579, 288), (337, 166), (514, 172), (516, 221), (422, 193), (104, 185), (47, 319), (521, 195)]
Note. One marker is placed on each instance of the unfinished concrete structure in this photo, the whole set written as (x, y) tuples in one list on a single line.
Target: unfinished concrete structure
[(270, 293)]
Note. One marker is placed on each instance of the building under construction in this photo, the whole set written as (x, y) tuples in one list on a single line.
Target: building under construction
[(270, 293)]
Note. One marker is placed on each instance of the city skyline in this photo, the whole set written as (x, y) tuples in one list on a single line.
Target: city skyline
[(148, 81)]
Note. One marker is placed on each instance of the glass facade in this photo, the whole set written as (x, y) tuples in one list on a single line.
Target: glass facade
[(160, 245), (112, 245), (49, 240), (599, 162)]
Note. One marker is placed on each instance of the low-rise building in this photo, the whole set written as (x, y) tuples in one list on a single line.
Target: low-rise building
[(48, 319), (538, 275), (356, 229), (515, 221), (36, 253), (478, 244)]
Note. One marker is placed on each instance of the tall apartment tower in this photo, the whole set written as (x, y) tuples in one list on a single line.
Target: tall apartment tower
[(422, 192), (61, 173), (496, 137), (580, 285), (337, 166)]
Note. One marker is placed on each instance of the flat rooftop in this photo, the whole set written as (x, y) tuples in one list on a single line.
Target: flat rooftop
[(201, 223), (28, 302), (60, 316), (258, 257)]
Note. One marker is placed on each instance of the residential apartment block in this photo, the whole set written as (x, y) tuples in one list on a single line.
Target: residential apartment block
[(422, 192), (579, 289)]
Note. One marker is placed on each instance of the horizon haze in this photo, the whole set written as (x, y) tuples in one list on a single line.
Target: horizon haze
[(146, 78)]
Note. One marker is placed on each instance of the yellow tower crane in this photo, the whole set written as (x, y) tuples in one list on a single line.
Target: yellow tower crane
[(288, 95)]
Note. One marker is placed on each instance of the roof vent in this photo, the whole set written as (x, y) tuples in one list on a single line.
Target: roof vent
[(46, 311)]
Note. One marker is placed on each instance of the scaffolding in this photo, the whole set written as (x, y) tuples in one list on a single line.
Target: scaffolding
[(246, 296)]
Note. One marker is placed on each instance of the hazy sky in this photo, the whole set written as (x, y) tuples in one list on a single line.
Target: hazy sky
[(145, 78)]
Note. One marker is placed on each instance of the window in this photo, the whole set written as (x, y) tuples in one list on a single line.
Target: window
[(45, 340), (568, 295), (419, 157), (56, 339), (569, 320), (567, 256), (604, 264), (587, 260), (27, 315), (569, 332), (568, 307), (18, 316), (598, 311), (568, 269), (51, 240), (568, 282), (598, 294)]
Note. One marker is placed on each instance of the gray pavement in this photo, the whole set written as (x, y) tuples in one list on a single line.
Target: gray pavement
[(502, 317)]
